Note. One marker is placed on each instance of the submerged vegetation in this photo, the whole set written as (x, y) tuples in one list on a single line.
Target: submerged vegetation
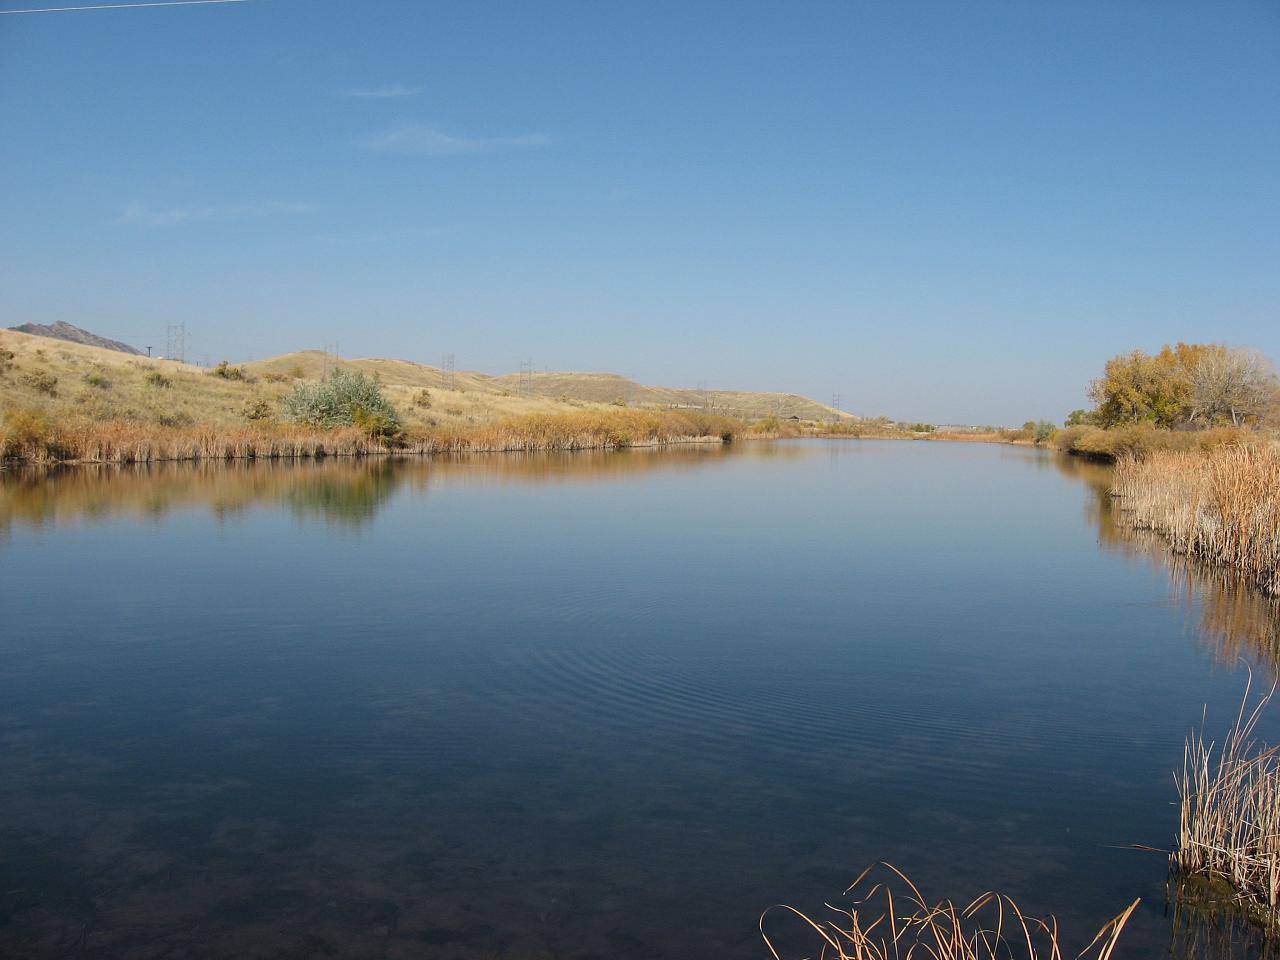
[(1229, 836), (890, 918)]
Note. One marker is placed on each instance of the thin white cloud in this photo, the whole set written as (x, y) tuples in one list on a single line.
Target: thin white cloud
[(138, 214), (422, 140), (388, 92)]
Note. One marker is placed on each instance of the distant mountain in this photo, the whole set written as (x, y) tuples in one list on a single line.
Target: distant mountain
[(62, 330)]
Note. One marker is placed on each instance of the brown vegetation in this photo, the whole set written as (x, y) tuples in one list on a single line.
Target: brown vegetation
[(1191, 396), (1229, 835), (891, 919), (29, 436), (1141, 439), (1221, 505)]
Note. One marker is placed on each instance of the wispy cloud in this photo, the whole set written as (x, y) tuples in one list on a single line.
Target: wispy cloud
[(388, 92), (423, 140), (138, 214)]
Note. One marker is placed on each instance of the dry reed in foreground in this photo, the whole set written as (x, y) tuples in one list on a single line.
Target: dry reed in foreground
[(1229, 835), (1222, 505), (883, 924)]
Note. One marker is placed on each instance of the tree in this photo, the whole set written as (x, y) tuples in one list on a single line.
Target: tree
[(1233, 385), (1140, 388)]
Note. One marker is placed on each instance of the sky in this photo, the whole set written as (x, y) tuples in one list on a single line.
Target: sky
[(952, 212)]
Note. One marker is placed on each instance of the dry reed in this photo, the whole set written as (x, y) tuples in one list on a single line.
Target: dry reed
[(1229, 835), (1222, 505), (891, 920), (33, 439)]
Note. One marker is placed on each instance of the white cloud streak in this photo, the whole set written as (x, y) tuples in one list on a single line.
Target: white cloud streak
[(120, 6), (389, 92), (422, 140), (137, 214)]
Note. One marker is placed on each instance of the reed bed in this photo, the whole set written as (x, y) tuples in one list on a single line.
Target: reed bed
[(891, 920), (33, 439), (1229, 834), (1222, 505)]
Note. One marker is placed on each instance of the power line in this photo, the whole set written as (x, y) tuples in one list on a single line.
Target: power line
[(119, 6)]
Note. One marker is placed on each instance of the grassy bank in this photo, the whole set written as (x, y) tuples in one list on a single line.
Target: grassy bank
[(1141, 440), (35, 438), (1221, 505), (1229, 835)]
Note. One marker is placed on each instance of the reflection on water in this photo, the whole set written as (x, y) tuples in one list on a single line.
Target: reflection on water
[(343, 491), (587, 705), (1236, 620), (1206, 928)]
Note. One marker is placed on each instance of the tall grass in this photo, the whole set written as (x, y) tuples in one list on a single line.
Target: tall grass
[(1142, 440), (1229, 834), (1222, 505), (33, 438), (890, 919)]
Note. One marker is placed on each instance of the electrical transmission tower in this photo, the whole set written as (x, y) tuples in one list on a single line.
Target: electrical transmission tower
[(835, 402), (175, 347), (331, 357), (448, 364), (526, 377)]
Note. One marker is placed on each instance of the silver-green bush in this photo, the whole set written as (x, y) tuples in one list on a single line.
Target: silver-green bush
[(345, 398)]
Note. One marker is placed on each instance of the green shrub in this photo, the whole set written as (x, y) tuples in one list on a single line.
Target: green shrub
[(1044, 431), (96, 379), (422, 399), (41, 381), (6, 361), (346, 398), (157, 379)]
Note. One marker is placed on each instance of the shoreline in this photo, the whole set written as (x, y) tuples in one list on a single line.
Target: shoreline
[(213, 443)]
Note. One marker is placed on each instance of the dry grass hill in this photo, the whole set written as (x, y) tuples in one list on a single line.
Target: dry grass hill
[(61, 379)]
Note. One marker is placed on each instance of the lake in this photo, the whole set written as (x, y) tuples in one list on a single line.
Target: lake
[(589, 705)]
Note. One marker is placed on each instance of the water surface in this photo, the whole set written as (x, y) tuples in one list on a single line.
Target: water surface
[(590, 705)]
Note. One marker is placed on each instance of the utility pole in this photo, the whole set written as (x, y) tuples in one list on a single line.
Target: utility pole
[(148, 353)]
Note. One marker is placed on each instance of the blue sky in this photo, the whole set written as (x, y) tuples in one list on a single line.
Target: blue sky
[(945, 211)]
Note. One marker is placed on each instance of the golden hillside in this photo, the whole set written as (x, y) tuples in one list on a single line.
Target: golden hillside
[(63, 379)]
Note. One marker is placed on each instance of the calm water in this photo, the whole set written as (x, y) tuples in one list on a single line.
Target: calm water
[(588, 705)]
